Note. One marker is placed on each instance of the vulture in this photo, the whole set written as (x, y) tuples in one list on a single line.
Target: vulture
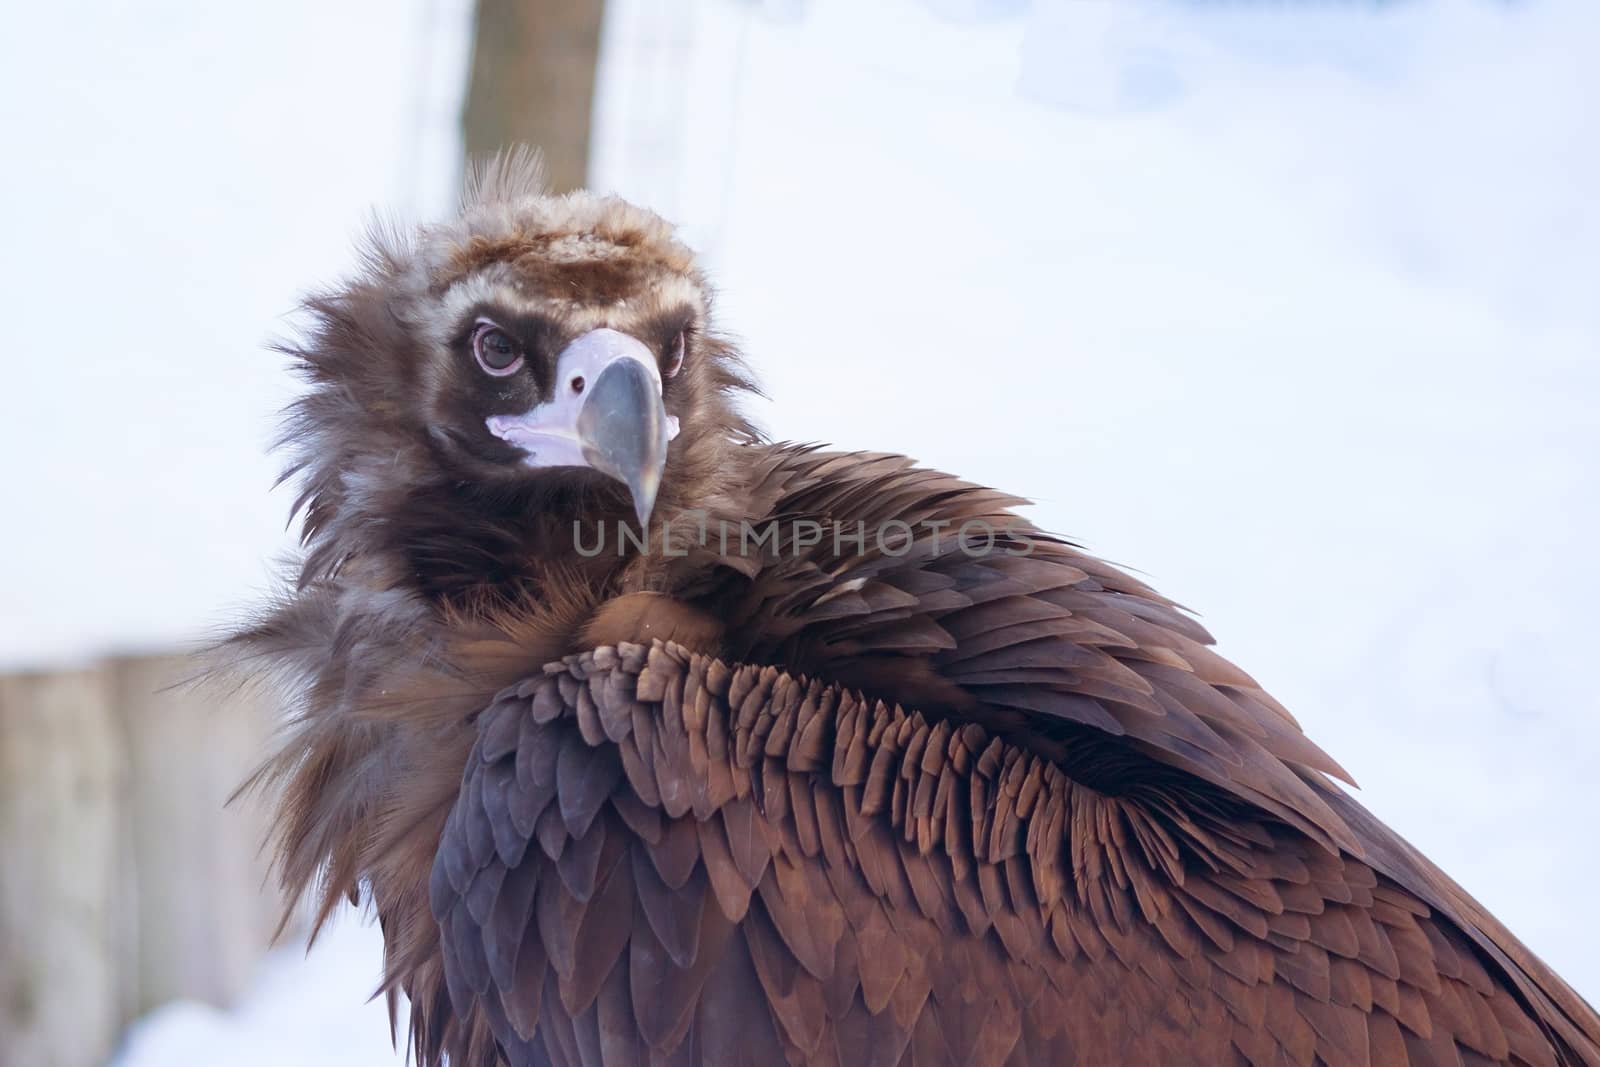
[(650, 741)]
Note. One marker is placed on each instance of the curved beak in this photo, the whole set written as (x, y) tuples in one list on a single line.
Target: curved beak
[(606, 414)]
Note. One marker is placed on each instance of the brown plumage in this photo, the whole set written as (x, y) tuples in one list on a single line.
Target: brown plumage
[(924, 801)]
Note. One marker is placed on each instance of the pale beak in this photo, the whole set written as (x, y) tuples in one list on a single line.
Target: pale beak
[(606, 414)]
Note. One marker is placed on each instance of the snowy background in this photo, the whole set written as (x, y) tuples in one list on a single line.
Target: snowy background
[(1290, 308)]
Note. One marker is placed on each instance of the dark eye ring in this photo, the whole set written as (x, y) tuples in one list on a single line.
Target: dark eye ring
[(675, 354), (494, 350)]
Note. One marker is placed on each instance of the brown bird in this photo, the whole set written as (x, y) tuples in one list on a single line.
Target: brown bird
[(651, 742)]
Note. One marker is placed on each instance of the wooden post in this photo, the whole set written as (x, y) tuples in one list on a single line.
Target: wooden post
[(532, 82), (205, 908), (62, 900), (125, 880)]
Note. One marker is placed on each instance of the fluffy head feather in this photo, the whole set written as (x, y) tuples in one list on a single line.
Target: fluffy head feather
[(398, 473)]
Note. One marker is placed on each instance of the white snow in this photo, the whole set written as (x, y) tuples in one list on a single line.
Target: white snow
[(306, 1009), (1288, 307)]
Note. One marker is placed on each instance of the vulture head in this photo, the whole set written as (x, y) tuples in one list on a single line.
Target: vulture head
[(487, 380)]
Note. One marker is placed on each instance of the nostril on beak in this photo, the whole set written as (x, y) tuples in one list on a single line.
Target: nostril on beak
[(577, 383)]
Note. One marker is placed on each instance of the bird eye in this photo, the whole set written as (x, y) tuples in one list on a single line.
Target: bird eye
[(495, 351), (675, 354)]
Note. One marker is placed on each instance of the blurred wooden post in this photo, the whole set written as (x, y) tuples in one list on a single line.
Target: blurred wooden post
[(62, 900), (205, 910), (124, 880), (532, 82)]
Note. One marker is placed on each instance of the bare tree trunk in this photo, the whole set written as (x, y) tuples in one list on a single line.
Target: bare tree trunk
[(62, 897), (532, 81)]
